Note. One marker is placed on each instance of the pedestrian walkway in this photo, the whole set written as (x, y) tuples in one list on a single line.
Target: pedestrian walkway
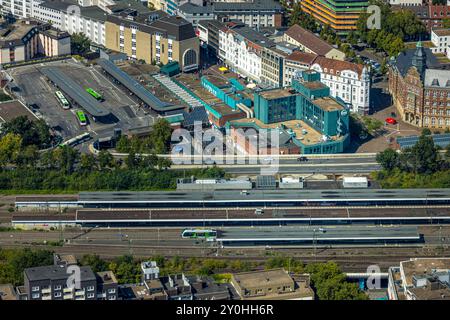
[(179, 91)]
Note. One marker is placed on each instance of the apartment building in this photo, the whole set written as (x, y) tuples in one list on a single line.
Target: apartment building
[(441, 40), (432, 16), (18, 8), (25, 40), (55, 282), (154, 38), (309, 42)]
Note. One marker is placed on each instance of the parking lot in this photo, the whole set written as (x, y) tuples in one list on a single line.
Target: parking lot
[(33, 88)]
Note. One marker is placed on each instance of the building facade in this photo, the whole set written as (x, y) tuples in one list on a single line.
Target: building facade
[(441, 40), (25, 40), (154, 38), (420, 93), (347, 81), (240, 48), (253, 13), (340, 15), (309, 121)]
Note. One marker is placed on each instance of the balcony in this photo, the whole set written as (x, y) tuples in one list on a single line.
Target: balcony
[(67, 290), (47, 297), (79, 293), (46, 290), (68, 296)]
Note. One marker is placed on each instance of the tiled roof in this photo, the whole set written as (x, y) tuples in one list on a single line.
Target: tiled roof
[(309, 40), (442, 32), (338, 65), (303, 57)]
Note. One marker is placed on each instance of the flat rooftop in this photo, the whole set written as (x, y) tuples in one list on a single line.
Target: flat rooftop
[(310, 137), (75, 91), (13, 109), (266, 195), (225, 110), (423, 266), (312, 233), (277, 93), (275, 277), (328, 104)]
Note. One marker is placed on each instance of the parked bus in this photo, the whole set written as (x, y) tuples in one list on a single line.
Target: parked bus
[(81, 118), (209, 235), (94, 93), (62, 100)]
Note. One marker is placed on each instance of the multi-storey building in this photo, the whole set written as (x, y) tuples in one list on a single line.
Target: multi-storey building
[(420, 92), (26, 39), (274, 284), (66, 15), (441, 40), (66, 281), (240, 48), (432, 16), (347, 81), (18, 8), (154, 38), (340, 15), (420, 279), (309, 42), (309, 121), (254, 13), (405, 2)]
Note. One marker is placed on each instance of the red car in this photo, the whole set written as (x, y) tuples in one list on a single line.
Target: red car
[(391, 120)]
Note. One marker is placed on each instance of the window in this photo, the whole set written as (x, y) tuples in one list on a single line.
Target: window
[(35, 289), (112, 298), (57, 294), (90, 295), (57, 287), (90, 288), (35, 295), (111, 290)]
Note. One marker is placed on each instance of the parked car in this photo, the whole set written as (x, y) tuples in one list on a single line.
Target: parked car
[(302, 159), (391, 121)]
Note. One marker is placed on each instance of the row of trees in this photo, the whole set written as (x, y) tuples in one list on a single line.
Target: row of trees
[(396, 27), (421, 165), (24, 168)]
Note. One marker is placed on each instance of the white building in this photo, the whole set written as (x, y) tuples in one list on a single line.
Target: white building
[(240, 50), (420, 279), (67, 16), (441, 40), (347, 81), (406, 2)]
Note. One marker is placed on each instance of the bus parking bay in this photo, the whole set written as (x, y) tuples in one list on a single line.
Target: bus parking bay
[(33, 89)]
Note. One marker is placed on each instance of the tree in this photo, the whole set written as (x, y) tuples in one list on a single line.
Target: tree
[(105, 159), (32, 132), (388, 159), (80, 43), (424, 155), (29, 156), (95, 262), (87, 162), (426, 132), (10, 146), (304, 20), (160, 135)]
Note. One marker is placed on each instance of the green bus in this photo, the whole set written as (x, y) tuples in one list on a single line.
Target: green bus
[(207, 234), (94, 93), (81, 118), (62, 100)]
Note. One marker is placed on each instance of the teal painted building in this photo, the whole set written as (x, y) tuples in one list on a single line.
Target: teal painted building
[(309, 102)]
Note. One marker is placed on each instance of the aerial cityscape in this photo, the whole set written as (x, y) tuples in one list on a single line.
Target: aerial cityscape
[(225, 150)]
